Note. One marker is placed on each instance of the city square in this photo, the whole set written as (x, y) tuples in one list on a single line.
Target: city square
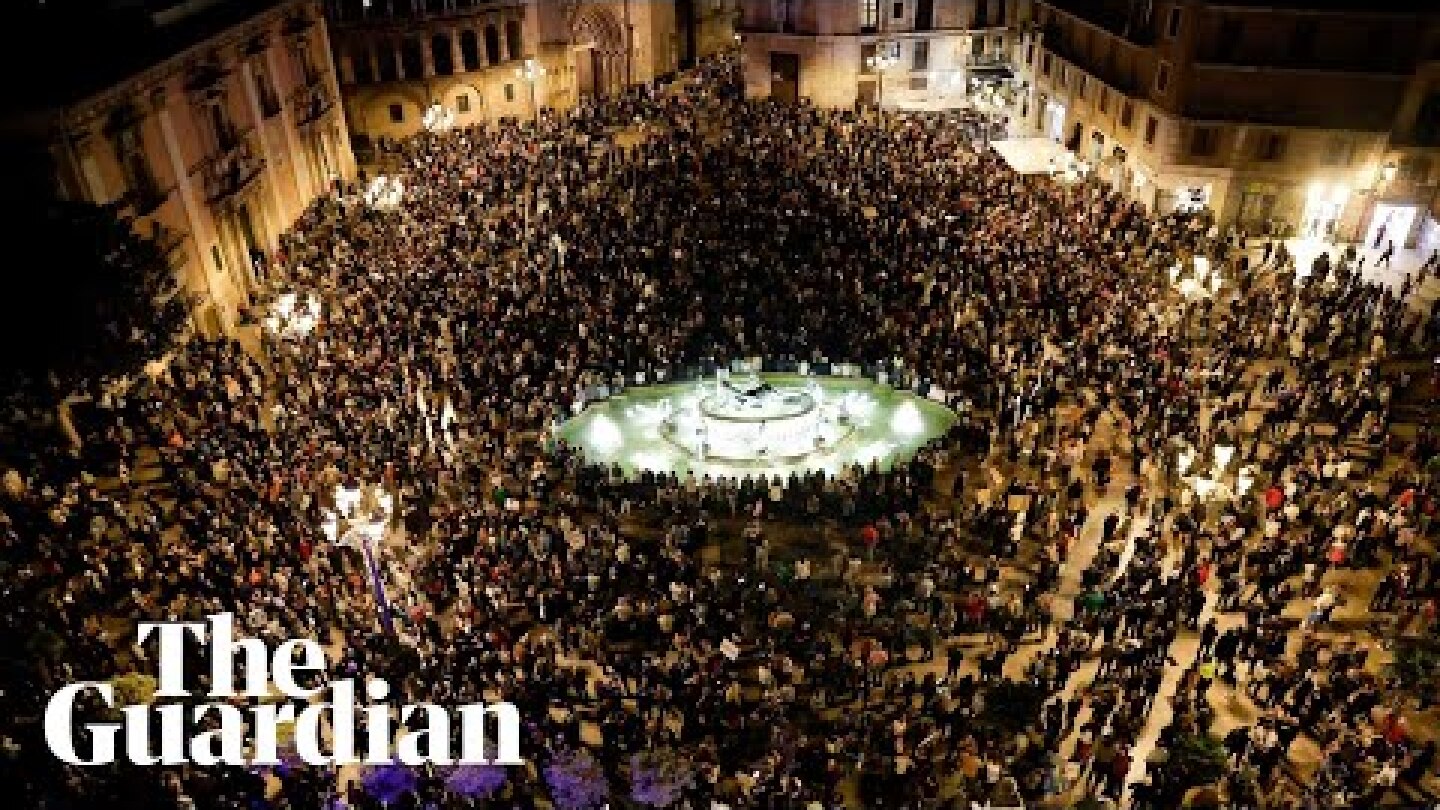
[(775, 405)]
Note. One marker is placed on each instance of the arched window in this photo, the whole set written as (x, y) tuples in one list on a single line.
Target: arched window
[(412, 59), (389, 68), (492, 45), (360, 65), (470, 49), (443, 56), (512, 39)]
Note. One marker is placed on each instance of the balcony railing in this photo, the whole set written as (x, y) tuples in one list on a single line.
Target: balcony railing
[(229, 172)]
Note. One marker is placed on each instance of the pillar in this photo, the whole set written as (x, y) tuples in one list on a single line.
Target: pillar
[(427, 53), (457, 56), (347, 67), (505, 55)]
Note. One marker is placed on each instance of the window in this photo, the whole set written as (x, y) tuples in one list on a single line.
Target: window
[(1379, 38), (1172, 28), (899, 11), (1080, 87), (1045, 64), (919, 82), (1270, 146), (462, 103), (514, 42), (1030, 54), (1302, 40), (130, 151), (1127, 114), (1104, 98), (361, 67), (1064, 76), (869, 15), (265, 91), (1151, 128), (397, 114), (509, 92), (922, 55), (1202, 141), (1162, 77), (1339, 152), (225, 137), (1232, 31)]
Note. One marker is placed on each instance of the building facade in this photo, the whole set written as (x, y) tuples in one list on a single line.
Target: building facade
[(1280, 118), (213, 150), (896, 53), (399, 59)]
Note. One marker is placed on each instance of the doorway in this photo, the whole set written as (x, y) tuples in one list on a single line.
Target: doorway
[(685, 22), (250, 244), (1389, 223), (785, 77), (585, 72)]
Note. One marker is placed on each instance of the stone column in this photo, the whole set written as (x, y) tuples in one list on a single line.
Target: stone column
[(346, 66), (427, 52), (505, 55), (252, 99), (457, 56)]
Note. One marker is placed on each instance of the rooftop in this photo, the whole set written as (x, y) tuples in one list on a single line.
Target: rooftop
[(92, 45)]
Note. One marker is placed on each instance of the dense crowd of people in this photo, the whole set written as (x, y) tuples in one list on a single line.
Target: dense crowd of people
[(905, 637)]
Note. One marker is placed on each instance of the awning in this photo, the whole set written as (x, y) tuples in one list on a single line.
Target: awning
[(991, 72)]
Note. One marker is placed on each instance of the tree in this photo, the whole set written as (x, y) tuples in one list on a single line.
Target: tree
[(1196, 760), (97, 301)]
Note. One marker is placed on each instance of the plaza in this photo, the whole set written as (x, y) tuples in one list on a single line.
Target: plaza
[(759, 452)]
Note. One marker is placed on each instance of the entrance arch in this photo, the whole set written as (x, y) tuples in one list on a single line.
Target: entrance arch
[(599, 51)]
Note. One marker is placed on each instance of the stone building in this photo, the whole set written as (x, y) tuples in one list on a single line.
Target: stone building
[(467, 59), (898, 53), (1303, 119), (210, 125)]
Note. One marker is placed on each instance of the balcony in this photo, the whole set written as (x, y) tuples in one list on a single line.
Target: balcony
[(310, 102), (231, 171)]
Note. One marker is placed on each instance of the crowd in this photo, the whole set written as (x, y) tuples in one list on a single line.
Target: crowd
[(682, 228)]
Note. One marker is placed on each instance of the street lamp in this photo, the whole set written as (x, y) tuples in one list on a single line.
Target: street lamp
[(531, 73), (884, 58)]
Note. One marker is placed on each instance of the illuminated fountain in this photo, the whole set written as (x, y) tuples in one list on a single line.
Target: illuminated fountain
[(750, 425)]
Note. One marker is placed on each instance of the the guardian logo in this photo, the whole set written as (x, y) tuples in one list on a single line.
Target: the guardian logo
[(216, 733)]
